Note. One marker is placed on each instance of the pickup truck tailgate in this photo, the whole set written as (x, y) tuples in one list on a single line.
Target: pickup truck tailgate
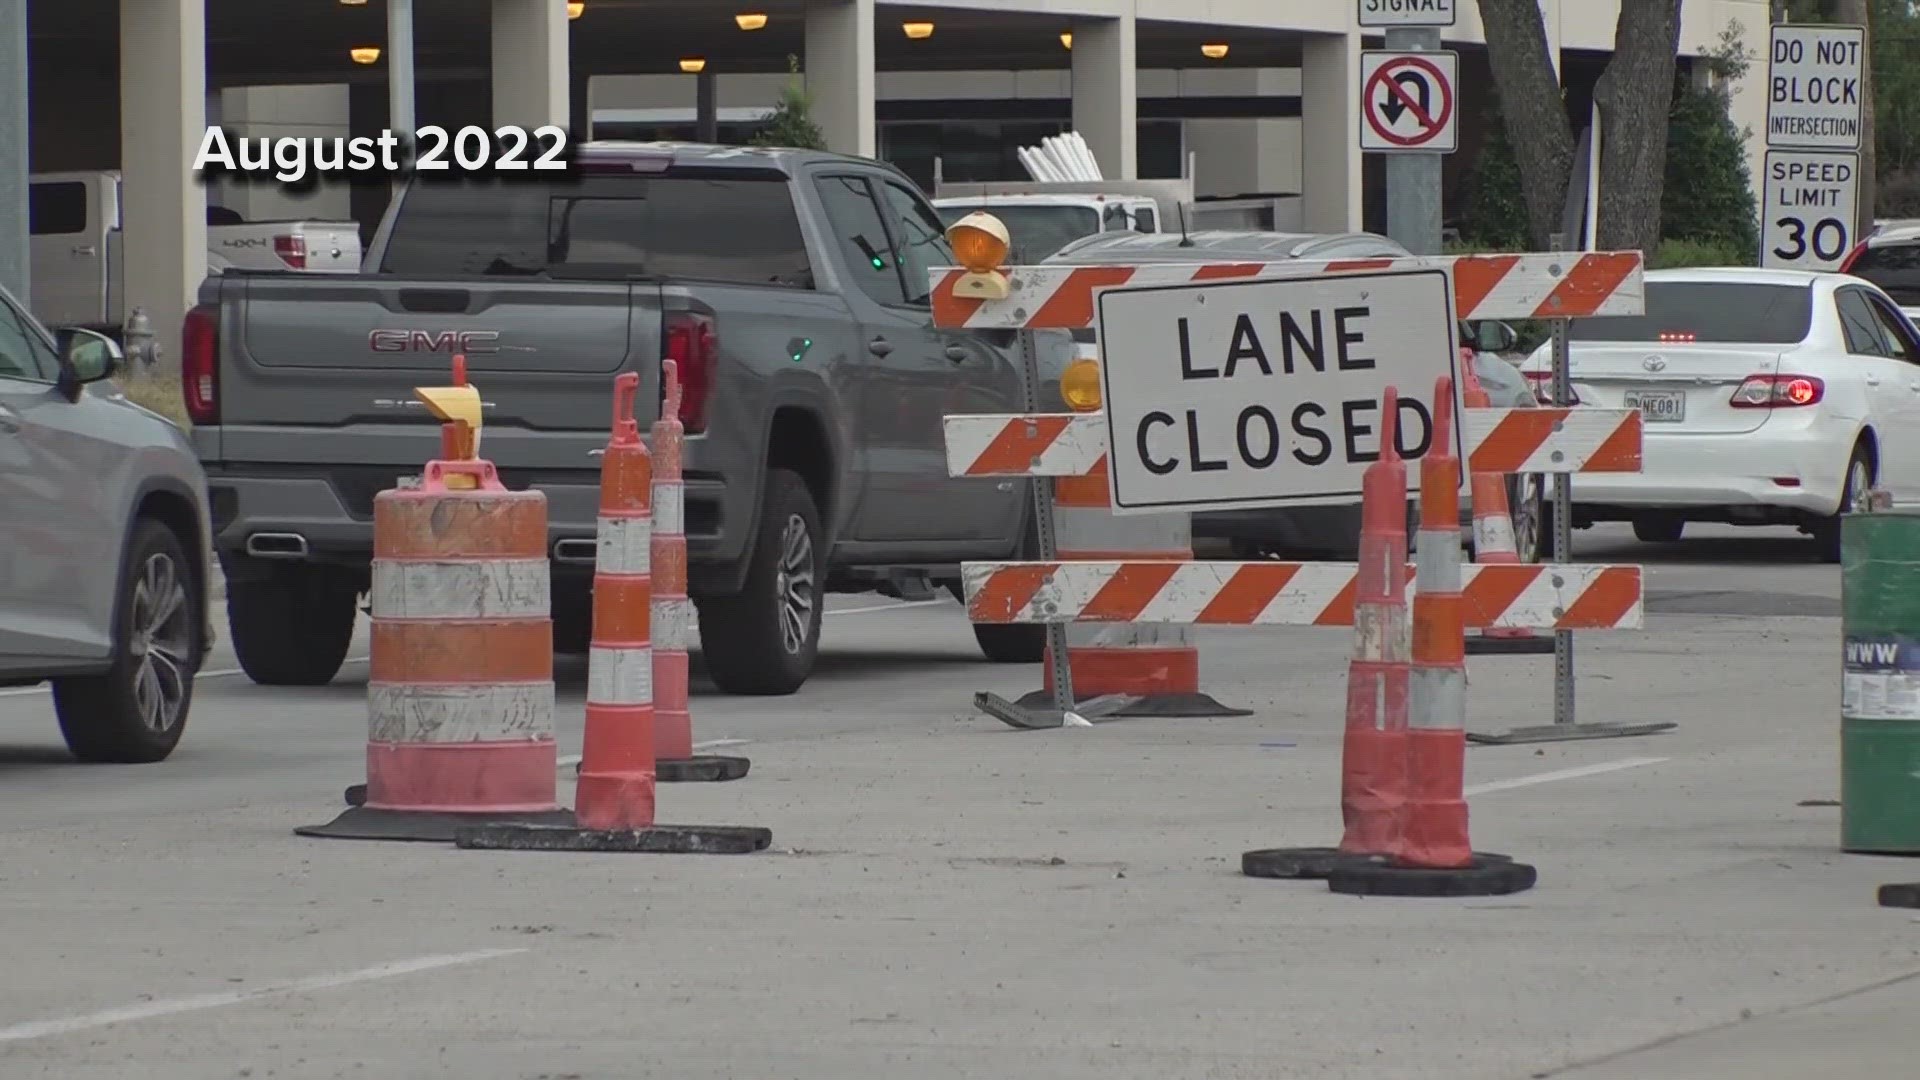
[(321, 368)]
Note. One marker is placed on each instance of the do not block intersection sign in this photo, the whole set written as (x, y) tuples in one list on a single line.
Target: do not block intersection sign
[(1408, 102), (1235, 395)]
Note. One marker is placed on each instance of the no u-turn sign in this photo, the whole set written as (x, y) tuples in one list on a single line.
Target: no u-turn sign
[(1407, 102)]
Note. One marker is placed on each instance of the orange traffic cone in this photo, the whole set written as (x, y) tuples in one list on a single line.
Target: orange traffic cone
[(1493, 542)]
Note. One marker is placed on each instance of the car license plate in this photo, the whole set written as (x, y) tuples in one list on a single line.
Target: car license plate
[(1664, 406)]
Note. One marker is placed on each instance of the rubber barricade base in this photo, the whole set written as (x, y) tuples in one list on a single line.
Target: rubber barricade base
[(653, 840), (700, 768), (1315, 863), (1484, 875), (1532, 645), (1900, 894), (365, 823), (1569, 732), (1164, 705)]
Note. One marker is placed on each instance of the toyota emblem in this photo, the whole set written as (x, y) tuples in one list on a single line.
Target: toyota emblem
[(1654, 363)]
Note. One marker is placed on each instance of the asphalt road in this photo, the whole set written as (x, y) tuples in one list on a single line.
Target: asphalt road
[(948, 898)]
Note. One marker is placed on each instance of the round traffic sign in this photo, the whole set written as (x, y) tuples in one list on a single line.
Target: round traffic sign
[(1393, 76)]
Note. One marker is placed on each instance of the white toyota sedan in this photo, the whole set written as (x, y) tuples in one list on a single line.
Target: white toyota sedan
[(1770, 397)]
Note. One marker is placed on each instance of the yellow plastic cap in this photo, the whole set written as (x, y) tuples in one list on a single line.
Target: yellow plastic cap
[(980, 241), (1080, 386)]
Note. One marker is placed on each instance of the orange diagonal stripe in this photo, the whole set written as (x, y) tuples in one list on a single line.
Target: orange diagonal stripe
[(1217, 271), (1605, 602), (1132, 587), (1246, 594), (1493, 590), (1339, 610), (1621, 451), (1017, 444), (1348, 266), (1474, 276), (1516, 436), (1008, 590), (951, 310), (1592, 280), (1071, 305)]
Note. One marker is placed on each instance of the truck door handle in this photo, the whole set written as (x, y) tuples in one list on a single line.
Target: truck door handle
[(86, 249), (1873, 380), (957, 353), (880, 346), (9, 420)]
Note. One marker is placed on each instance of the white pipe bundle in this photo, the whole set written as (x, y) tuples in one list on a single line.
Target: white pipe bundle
[(1060, 159)]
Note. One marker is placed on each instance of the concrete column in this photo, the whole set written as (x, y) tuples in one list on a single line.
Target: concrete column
[(1105, 97), (1330, 177), (14, 269), (163, 108), (530, 77), (839, 69)]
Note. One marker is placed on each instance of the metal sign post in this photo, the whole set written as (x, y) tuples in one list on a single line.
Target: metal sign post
[(1564, 727)]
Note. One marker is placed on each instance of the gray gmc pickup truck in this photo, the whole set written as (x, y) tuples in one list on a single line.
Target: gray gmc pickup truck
[(790, 287)]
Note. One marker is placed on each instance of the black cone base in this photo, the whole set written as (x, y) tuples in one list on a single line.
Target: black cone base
[(1486, 875), (657, 840), (1173, 705), (364, 823), (1315, 863), (1901, 894), (700, 768)]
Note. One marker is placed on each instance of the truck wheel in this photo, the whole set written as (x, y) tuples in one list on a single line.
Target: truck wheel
[(137, 711), (764, 640), (292, 625)]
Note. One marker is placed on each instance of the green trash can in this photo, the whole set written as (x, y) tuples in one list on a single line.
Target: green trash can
[(1880, 683)]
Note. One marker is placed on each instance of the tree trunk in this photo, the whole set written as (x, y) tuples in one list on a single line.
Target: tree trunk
[(1857, 13), (1532, 110), (1635, 95)]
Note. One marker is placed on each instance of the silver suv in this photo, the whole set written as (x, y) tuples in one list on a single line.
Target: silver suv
[(104, 558)]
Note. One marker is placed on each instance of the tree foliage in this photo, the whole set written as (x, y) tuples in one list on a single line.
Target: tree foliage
[(1708, 197), (789, 124)]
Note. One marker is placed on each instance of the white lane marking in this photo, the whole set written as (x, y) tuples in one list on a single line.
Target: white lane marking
[(41, 1029), (1562, 774), (224, 673), (568, 761)]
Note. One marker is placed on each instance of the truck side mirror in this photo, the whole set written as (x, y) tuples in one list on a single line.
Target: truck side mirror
[(1494, 337)]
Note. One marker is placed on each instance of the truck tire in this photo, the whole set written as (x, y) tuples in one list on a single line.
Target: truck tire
[(137, 711), (292, 625), (764, 640)]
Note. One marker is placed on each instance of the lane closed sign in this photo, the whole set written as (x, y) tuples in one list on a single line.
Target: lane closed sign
[(1237, 395)]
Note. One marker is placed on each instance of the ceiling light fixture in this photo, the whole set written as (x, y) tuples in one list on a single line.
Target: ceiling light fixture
[(693, 65), (365, 54), (576, 9), (353, 3), (1214, 51), (917, 30), (750, 21), (1066, 40)]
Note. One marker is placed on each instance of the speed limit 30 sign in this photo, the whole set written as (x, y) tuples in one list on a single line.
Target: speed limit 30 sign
[(1808, 214)]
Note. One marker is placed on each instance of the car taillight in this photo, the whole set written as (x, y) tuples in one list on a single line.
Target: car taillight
[(1778, 392), (693, 345), (292, 251), (1542, 384), (200, 364)]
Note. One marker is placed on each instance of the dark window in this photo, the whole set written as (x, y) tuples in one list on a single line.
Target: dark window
[(864, 248), (922, 241), (57, 208), (1891, 326), (23, 355), (1893, 267), (700, 228), (1858, 325), (1710, 312), (1143, 221)]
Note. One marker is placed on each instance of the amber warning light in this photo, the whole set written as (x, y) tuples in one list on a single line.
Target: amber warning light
[(980, 242)]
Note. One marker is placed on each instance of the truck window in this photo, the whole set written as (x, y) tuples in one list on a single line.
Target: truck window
[(22, 354), (865, 249), (740, 231), (57, 208), (921, 239)]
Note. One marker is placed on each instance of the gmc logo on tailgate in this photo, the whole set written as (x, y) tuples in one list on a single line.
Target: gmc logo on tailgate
[(443, 341)]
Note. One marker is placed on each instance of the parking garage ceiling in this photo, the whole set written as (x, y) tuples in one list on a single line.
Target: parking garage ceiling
[(292, 41)]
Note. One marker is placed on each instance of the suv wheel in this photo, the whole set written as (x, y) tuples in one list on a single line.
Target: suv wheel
[(137, 711), (764, 640), (292, 625)]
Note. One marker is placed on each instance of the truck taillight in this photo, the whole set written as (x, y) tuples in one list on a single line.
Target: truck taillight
[(292, 251), (200, 364), (693, 344)]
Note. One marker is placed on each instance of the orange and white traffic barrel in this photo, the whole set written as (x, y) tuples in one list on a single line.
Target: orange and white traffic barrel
[(1493, 537), (460, 690)]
